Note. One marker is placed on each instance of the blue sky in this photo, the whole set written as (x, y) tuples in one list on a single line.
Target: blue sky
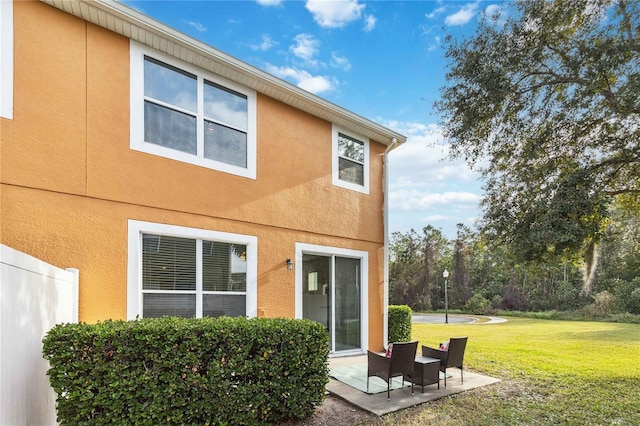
[(383, 60)]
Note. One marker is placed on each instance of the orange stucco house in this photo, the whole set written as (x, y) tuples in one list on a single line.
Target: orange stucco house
[(182, 181)]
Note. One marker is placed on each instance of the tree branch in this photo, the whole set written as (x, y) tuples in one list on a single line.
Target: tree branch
[(558, 81), (626, 23)]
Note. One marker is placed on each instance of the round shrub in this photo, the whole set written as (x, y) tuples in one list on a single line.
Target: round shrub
[(628, 295), (478, 305), (604, 304), (633, 302)]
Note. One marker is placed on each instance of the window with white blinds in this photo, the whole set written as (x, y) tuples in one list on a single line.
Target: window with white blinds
[(185, 113), (190, 275), (350, 160)]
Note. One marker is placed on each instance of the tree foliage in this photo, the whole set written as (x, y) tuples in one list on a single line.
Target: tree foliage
[(461, 292), (417, 260), (544, 100), (486, 277)]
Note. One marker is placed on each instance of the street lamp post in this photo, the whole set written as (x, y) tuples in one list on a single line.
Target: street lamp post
[(445, 274)]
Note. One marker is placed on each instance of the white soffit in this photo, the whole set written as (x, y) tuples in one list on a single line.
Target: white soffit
[(136, 26)]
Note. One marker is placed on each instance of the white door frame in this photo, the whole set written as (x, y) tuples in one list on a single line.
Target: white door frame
[(302, 248)]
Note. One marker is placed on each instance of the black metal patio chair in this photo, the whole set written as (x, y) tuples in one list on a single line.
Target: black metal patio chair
[(453, 356), (398, 363)]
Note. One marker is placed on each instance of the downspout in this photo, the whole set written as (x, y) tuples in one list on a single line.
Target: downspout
[(385, 214)]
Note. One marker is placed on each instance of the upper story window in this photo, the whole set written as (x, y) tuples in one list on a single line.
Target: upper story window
[(184, 113), (350, 160)]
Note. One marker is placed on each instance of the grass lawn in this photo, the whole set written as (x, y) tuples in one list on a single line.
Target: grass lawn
[(553, 372)]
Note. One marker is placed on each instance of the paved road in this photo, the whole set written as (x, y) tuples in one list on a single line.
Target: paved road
[(454, 319)]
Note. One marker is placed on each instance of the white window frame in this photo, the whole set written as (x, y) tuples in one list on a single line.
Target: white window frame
[(134, 260), (336, 163), (137, 142), (302, 249), (6, 59)]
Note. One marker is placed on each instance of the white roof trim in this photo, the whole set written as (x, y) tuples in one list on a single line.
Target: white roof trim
[(136, 26)]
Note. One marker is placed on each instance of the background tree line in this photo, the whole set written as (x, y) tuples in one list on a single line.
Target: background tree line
[(485, 277)]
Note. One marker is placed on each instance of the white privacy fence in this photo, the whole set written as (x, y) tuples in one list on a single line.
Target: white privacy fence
[(34, 296)]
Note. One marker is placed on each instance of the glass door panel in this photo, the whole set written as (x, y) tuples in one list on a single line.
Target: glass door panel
[(316, 284), (347, 304)]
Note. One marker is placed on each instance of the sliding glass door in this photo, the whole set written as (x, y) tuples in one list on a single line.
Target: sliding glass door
[(332, 295)]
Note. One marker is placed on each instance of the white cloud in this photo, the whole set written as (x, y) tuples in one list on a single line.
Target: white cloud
[(421, 158), (412, 128), (435, 12), (424, 187), (197, 25), (268, 3), (369, 23), (415, 163), (434, 44), (305, 47), (435, 218), (492, 9), (266, 43), (340, 62), (496, 13), (462, 16), (334, 14), (411, 200), (303, 79)]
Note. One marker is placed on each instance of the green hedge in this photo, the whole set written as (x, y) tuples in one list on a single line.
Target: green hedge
[(234, 371), (399, 323)]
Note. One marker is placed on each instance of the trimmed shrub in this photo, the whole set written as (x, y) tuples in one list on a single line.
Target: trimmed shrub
[(513, 299), (628, 295), (633, 303), (478, 305), (604, 304), (399, 323), (187, 371)]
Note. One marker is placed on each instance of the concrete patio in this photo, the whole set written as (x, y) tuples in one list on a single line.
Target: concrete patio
[(401, 398)]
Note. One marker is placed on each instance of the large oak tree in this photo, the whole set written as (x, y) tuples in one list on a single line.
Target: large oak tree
[(544, 100)]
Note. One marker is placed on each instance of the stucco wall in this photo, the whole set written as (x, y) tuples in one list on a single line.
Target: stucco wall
[(70, 181)]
